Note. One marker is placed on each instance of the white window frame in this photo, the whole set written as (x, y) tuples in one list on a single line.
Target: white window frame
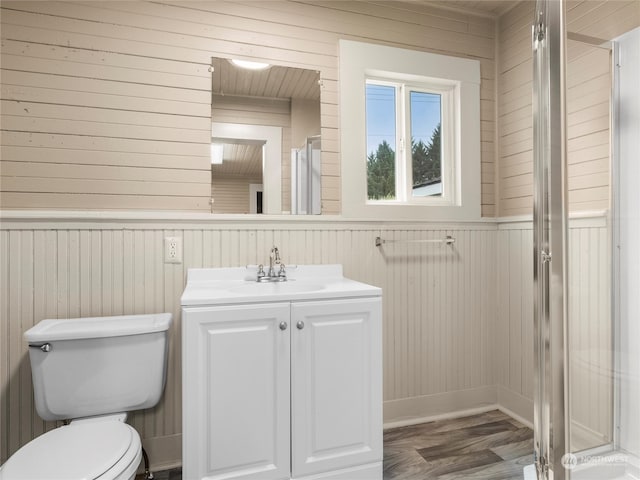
[(360, 62)]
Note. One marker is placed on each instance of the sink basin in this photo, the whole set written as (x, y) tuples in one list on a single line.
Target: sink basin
[(237, 285), (274, 288)]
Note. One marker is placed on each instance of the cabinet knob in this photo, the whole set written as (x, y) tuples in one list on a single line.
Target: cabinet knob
[(300, 325), (283, 325)]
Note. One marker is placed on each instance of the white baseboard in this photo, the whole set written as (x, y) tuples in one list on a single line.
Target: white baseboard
[(516, 406), (409, 411), (515, 416), (166, 452), (412, 411), (583, 437), (444, 416)]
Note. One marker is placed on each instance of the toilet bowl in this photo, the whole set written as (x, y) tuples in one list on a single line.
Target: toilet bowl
[(89, 450), (92, 371)]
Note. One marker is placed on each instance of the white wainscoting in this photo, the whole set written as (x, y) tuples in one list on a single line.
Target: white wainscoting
[(439, 303), (590, 326), (458, 321)]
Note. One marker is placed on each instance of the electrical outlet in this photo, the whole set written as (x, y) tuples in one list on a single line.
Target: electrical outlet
[(172, 250)]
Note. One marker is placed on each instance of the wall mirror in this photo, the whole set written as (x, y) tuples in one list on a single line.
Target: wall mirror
[(265, 139)]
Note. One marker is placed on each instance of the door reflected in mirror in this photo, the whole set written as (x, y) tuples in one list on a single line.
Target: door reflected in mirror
[(265, 140)]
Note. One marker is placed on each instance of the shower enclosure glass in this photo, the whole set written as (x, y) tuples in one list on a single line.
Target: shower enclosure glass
[(626, 238), (604, 306), (586, 270)]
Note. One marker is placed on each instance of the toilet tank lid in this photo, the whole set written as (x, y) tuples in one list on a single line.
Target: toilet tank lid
[(97, 327)]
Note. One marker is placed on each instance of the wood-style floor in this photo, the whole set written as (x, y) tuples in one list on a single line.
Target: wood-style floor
[(487, 446)]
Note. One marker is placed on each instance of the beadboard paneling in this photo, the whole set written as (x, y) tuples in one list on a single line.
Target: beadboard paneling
[(439, 301), (590, 325), (457, 320), (101, 82)]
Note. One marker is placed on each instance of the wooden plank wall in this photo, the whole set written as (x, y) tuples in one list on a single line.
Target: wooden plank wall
[(515, 135), (86, 124), (588, 92), (439, 301), (590, 325), (589, 80), (106, 104), (231, 194)]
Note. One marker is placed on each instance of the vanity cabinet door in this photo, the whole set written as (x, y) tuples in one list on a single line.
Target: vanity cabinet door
[(236, 394), (336, 384)]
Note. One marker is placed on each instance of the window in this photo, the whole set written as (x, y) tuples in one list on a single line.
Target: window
[(410, 134), (405, 143)]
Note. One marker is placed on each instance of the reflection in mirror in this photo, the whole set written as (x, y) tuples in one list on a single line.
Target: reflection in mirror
[(254, 177), (236, 176), (305, 178)]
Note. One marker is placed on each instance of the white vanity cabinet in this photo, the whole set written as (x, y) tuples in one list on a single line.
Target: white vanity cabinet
[(285, 386), (235, 392), (336, 385)]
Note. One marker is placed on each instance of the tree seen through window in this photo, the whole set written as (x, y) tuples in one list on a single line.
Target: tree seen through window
[(426, 161)]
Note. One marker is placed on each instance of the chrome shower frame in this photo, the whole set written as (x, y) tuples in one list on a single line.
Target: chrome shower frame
[(551, 393)]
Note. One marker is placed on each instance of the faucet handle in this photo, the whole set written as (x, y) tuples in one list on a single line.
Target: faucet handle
[(261, 271), (282, 272)]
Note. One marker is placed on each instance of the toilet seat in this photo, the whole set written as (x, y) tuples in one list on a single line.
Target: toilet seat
[(101, 450)]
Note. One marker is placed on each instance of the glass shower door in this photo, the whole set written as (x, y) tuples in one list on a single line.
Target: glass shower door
[(590, 328), (587, 277), (604, 262)]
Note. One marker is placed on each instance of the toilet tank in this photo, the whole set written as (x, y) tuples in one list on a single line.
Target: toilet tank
[(83, 367)]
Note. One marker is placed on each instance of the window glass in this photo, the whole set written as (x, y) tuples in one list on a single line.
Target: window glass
[(381, 141), (426, 150)]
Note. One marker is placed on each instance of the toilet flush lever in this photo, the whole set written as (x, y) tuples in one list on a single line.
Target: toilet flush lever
[(45, 347)]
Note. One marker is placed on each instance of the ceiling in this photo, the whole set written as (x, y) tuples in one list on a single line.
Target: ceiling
[(607, 27), (493, 8), (240, 160), (274, 82)]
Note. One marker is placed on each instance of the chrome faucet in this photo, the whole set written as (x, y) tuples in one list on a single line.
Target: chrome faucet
[(274, 259), (271, 275)]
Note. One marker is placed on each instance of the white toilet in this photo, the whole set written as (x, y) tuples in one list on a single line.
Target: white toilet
[(91, 371)]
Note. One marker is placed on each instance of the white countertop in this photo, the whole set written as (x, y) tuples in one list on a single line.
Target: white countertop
[(224, 286)]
